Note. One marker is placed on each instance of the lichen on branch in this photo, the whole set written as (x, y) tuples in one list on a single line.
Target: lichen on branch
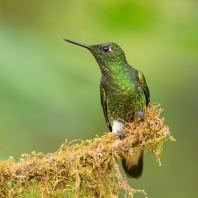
[(84, 168)]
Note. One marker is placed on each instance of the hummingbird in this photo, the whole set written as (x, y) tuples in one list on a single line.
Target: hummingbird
[(124, 95)]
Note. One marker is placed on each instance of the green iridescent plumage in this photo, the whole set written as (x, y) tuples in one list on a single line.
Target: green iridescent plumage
[(124, 94)]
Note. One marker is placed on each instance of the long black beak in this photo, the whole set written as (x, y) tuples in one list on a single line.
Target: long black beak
[(77, 43)]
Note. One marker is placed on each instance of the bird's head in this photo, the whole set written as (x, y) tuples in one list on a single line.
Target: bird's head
[(107, 53)]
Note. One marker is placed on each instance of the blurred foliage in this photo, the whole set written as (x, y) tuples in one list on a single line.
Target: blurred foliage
[(49, 90)]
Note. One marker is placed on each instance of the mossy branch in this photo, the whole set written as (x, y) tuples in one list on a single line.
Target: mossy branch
[(84, 168)]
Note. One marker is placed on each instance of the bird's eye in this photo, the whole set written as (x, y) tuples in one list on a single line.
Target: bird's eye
[(105, 48)]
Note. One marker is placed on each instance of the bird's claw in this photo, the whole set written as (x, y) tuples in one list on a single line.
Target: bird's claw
[(120, 134)]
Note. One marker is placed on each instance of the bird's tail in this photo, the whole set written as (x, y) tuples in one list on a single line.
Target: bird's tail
[(133, 166)]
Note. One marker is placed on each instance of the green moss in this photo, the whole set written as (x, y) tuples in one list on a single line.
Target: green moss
[(84, 168)]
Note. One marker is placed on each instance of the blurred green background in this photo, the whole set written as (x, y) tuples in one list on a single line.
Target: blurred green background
[(49, 89)]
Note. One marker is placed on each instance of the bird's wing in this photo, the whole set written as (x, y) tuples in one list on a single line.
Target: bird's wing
[(103, 97), (133, 165), (144, 86)]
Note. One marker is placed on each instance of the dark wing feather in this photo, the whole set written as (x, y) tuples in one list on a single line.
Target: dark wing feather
[(103, 97), (144, 86)]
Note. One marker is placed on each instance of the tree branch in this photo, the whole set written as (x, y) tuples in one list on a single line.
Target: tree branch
[(84, 168)]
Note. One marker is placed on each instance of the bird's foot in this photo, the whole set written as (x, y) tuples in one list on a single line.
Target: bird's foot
[(120, 134), (140, 114)]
